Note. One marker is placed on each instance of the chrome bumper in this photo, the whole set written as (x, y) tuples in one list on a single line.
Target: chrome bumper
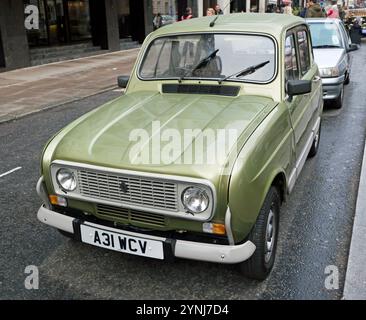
[(332, 87), (182, 249)]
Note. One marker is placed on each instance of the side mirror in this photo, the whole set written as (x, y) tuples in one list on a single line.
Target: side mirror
[(123, 81), (297, 87), (352, 47)]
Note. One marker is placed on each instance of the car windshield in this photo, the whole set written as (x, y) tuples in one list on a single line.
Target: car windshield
[(183, 56), (325, 35)]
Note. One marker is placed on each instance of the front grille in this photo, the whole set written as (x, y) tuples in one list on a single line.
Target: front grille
[(230, 91), (133, 190), (131, 215)]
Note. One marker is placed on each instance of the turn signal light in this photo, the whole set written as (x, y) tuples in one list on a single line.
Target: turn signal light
[(215, 228), (58, 201)]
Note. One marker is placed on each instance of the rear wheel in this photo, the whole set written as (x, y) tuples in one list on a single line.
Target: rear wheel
[(264, 236)]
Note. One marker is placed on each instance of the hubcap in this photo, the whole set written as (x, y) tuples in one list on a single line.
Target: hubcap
[(270, 236)]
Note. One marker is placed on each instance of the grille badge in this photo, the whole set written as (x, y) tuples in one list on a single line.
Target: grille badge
[(123, 187)]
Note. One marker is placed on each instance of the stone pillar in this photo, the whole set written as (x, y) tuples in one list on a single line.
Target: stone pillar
[(200, 8), (148, 16), (247, 6), (224, 5), (111, 14), (262, 6), (15, 48)]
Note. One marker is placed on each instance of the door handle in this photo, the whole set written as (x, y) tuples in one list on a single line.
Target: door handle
[(316, 78)]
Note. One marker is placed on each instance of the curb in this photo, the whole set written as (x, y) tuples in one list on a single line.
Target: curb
[(355, 282), (13, 117)]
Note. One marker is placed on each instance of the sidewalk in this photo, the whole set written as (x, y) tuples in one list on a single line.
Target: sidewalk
[(28, 90), (355, 284)]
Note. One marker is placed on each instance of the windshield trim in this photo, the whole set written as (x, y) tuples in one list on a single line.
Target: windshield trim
[(271, 37)]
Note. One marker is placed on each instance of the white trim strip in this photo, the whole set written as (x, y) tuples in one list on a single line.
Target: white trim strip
[(9, 172)]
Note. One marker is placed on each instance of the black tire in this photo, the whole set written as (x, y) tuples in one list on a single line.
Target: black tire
[(66, 234), (347, 79), (315, 146), (260, 264), (338, 102)]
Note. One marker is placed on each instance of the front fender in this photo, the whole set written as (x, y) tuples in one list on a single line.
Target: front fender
[(267, 153)]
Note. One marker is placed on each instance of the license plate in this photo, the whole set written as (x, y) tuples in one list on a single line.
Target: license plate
[(121, 242), (363, 31)]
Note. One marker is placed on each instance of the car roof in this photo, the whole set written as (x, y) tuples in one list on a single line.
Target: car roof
[(270, 23)]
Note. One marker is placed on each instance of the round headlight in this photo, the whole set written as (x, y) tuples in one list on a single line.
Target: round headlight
[(195, 199), (66, 179)]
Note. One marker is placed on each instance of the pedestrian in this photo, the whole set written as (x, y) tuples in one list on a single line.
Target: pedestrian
[(304, 10), (188, 14), (287, 9), (314, 10), (210, 12), (341, 12), (218, 9), (333, 10), (158, 21)]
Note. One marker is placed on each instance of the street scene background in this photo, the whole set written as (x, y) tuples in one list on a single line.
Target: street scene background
[(54, 75)]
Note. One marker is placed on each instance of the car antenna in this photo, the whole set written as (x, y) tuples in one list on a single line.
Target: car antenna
[(212, 23)]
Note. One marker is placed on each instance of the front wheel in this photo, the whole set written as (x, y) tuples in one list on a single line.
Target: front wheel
[(315, 146), (338, 102), (347, 80), (264, 236)]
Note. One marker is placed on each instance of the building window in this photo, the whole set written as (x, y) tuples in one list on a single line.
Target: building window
[(60, 22)]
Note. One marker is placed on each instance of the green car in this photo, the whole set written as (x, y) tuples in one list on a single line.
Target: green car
[(194, 160)]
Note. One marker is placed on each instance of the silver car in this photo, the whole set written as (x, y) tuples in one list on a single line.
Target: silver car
[(331, 45)]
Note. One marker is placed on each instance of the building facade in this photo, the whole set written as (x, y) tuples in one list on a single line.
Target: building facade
[(102, 23)]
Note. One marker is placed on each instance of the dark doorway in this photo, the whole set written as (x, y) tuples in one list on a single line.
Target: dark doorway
[(137, 20), (98, 23), (2, 56), (238, 6)]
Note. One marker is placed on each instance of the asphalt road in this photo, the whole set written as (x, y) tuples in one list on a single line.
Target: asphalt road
[(315, 227)]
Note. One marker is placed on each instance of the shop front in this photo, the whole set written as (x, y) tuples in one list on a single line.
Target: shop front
[(60, 22)]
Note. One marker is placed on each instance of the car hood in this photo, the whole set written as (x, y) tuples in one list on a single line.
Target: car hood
[(327, 58), (118, 133)]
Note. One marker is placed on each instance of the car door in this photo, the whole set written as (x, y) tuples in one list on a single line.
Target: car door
[(299, 65)]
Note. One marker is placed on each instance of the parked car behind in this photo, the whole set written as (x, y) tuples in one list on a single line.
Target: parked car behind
[(251, 77), (331, 46), (167, 19)]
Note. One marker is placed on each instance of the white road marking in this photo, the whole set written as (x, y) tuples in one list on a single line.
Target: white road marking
[(10, 171)]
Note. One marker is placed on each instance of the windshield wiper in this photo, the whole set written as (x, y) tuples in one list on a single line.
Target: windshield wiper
[(246, 71), (326, 46), (203, 63)]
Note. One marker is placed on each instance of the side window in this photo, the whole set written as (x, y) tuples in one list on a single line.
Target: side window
[(291, 65), (346, 37), (304, 53)]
